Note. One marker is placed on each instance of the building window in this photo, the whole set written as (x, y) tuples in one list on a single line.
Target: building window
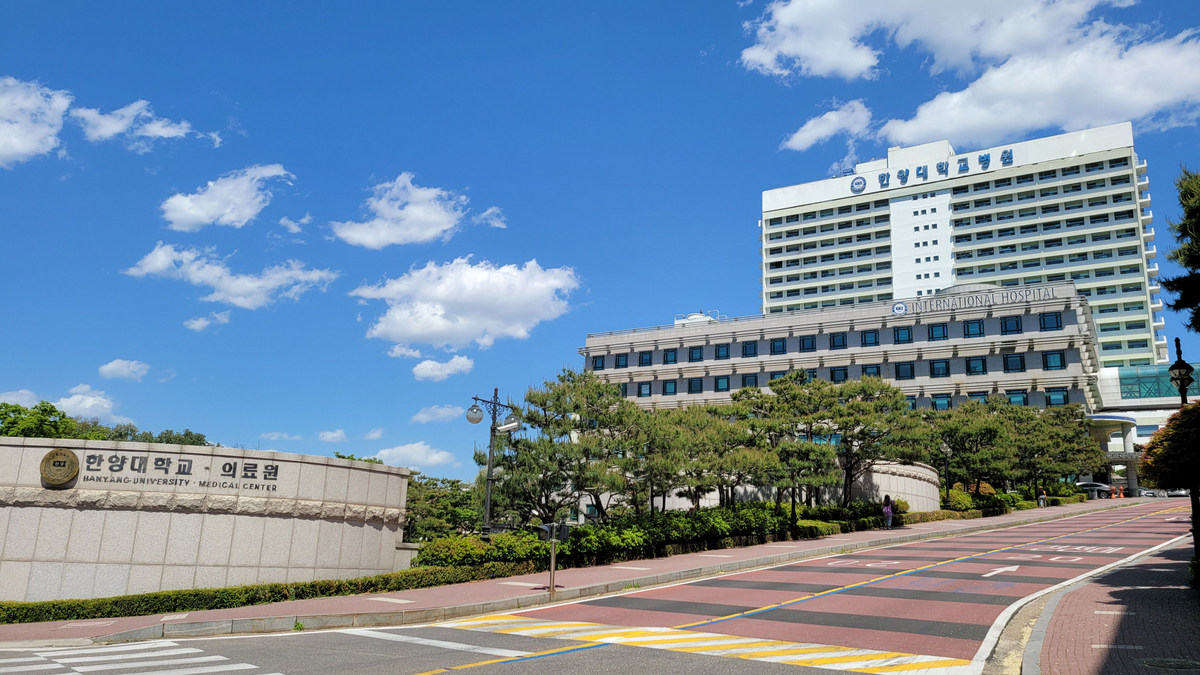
[(1010, 325), (749, 349), (939, 368), (1050, 321), (749, 381), (941, 401), (938, 331), (912, 402), (837, 340), (808, 343), (871, 370), (870, 338), (622, 360), (1054, 360), (973, 328), (643, 389), (722, 352), (1056, 397), (1014, 363), (668, 387), (840, 374), (980, 396), (597, 363), (669, 357), (902, 335), (695, 385), (1017, 396), (695, 354), (721, 383), (778, 346), (775, 375), (810, 374), (645, 358), (977, 365), (905, 371)]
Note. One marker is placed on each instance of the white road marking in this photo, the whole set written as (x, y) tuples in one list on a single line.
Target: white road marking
[(998, 570), (118, 657), (105, 650), (29, 669), (398, 601), (441, 644), (223, 668), (524, 584), (161, 662)]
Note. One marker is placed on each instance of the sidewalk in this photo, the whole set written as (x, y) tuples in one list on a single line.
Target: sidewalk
[(1140, 618), (508, 594)]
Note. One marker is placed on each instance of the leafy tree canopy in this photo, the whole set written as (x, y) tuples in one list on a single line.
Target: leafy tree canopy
[(44, 420), (1186, 287)]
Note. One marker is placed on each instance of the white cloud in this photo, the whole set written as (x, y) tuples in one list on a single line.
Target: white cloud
[(30, 118), (821, 38), (278, 436), (248, 291), (123, 369), (404, 213), (374, 434), (438, 371), (293, 226), (1100, 80), (454, 304), (417, 455), (336, 436), (234, 199), (493, 217), (87, 402), (437, 413), (403, 351), (22, 397), (852, 119), (199, 323)]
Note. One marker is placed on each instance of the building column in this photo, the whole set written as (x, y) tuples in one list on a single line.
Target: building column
[(1131, 477)]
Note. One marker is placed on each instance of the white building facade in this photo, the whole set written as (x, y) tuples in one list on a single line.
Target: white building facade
[(1034, 345), (1072, 207)]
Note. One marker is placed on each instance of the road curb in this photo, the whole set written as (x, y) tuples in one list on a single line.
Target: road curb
[(404, 617)]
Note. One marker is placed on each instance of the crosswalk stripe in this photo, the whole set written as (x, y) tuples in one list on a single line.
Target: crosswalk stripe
[(23, 659), (29, 669), (204, 669), (127, 656), (143, 664), (833, 657), (136, 646), (441, 644)]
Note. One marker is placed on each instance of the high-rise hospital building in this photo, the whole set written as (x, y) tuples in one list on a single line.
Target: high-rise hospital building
[(1073, 207)]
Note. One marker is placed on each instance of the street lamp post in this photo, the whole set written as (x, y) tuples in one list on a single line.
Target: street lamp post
[(511, 423), (1181, 374), (946, 470)]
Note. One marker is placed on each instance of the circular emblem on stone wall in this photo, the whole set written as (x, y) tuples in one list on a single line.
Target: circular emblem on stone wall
[(899, 309), (59, 467), (858, 184)]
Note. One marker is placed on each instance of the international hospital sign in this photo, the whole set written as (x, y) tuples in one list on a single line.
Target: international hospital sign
[(975, 300)]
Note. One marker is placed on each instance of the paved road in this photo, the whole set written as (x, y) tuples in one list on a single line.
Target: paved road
[(930, 606)]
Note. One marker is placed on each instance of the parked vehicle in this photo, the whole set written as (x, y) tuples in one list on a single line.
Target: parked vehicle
[(1147, 492), (1177, 493), (1096, 490)]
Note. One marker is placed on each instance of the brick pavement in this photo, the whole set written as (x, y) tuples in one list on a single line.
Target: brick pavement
[(1138, 618)]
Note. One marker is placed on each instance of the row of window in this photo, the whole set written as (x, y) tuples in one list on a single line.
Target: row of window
[(1035, 228), (830, 227), (1048, 193), (1051, 174), (829, 212), (906, 370), (832, 302), (971, 328), (1116, 217)]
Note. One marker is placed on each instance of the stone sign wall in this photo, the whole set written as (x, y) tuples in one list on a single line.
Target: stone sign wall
[(82, 519)]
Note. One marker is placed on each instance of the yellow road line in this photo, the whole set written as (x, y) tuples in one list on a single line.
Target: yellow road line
[(901, 667)]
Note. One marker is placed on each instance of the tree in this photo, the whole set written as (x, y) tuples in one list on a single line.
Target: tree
[(695, 431), (41, 421), (437, 507), (976, 438), (1171, 461), (873, 424), (1186, 287), (368, 460)]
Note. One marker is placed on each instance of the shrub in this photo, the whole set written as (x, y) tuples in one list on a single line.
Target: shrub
[(899, 506), (195, 600), (959, 500), (1024, 505)]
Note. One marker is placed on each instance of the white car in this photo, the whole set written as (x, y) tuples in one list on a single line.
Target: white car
[(1096, 490)]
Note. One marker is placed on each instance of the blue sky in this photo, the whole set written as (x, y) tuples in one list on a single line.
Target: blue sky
[(309, 228)]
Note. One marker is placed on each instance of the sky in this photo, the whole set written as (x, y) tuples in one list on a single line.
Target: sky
[(324, 228)]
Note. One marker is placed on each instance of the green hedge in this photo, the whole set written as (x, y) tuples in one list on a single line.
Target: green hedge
[(167, 602)]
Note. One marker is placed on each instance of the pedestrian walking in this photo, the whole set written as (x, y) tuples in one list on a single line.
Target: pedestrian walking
[(1042, 497), (888, 511)]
